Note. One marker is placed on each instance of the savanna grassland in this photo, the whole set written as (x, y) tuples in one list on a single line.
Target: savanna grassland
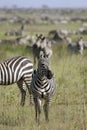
[(68, 110)]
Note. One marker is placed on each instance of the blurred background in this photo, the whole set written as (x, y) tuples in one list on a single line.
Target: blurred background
[(63, 24)]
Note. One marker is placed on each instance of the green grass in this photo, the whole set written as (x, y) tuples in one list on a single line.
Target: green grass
[(68, 110)]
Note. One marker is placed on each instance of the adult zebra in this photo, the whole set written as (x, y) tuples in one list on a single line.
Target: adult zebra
[(75, 47), (17, 70), (42, 87), (41, 44)]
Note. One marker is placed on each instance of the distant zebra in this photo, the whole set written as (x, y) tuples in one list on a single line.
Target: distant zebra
[(16, 32), (75, 47), (17, 70), (80, 44), (42, 44), (42, 87)]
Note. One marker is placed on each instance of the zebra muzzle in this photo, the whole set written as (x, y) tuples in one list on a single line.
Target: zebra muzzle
[(49, 74)]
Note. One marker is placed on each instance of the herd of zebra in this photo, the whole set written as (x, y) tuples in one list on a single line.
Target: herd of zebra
[(43, 43), (39, 82), (77, 47)]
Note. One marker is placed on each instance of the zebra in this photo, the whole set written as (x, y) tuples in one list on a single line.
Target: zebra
[(16, 32), (17, 70), (80, 44), (42, 44), (42, 86), (75, 47)]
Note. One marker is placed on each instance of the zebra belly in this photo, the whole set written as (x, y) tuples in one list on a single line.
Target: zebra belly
[(2, 83), (8, 79), (7, 82)]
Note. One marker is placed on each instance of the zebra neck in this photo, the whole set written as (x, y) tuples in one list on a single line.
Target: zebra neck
[(41, 80)]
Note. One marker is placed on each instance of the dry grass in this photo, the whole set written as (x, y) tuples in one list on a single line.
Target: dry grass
[(68, 110)]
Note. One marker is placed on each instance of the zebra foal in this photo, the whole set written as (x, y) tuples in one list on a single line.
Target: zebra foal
[(17, 70), (42, 87)]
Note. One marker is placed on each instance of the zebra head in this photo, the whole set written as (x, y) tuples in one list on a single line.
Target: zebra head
[(44, 67)]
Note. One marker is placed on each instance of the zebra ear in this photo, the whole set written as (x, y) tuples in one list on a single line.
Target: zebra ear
[(39, 36), (43, 38)]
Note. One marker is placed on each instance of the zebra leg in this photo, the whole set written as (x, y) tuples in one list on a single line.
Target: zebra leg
[(22, 88), (46, 109), (37, 109), (35, 100), (30, 93), (35, 61), (27, 81)]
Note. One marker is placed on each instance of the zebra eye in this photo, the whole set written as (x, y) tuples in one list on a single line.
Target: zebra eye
[(43, 65)]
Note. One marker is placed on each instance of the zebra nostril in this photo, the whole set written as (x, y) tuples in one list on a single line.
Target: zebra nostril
[(49, 74)]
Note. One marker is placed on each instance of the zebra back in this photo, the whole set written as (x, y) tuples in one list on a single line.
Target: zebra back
[(12, 70)]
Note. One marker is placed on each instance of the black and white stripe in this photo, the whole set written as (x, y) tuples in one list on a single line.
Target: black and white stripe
[(42, 87), (41, 44), (17, 70)]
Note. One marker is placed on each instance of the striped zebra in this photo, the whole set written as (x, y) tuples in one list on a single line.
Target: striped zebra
[(17, 70), (42, 87), (75, 47), (41, 44)]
